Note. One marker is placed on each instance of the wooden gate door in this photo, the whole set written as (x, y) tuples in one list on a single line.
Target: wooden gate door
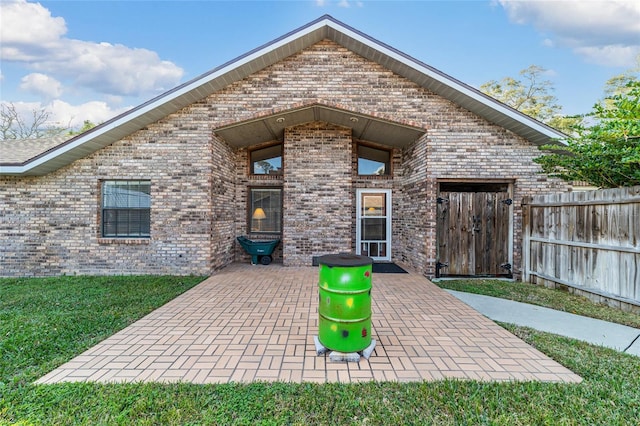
[(473, 234)]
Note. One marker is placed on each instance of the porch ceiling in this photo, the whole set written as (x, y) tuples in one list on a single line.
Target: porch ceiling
[(364, 127)]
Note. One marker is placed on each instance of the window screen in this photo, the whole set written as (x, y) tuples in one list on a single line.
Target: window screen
[(126, 208), (265, 210)]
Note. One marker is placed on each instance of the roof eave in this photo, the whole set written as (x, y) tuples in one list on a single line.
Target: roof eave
[(440, 83), (170, 101), (264, 56)]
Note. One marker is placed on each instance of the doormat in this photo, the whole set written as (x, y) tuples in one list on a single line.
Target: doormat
[(387, 268)]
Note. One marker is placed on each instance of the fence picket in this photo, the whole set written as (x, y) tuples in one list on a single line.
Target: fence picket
[(589, 241)]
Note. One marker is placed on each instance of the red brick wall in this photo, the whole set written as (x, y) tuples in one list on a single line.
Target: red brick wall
[(317, 192), (49, 224), (458, 144)]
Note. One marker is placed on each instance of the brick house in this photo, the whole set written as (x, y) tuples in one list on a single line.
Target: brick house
[(325, 138)]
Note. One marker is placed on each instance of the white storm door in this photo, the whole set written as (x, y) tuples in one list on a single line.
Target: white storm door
[(373, 223)]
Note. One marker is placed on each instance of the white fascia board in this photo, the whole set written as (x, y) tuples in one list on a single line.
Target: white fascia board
[(12, 170), (163, 99), (236, 63), (253, 55), (465, 90)]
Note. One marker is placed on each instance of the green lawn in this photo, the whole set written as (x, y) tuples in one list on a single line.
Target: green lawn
[(44, 322)]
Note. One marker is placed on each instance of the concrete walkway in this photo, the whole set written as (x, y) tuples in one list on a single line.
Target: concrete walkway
[(597, 332), (248, 323)]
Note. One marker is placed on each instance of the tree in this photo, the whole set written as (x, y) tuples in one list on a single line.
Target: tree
[(265, 166), (605, 153), (618, 84), (531, 94), (13, 125), (567, 124), (86, 125), (34, 125)]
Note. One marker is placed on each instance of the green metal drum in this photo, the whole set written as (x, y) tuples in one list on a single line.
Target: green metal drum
[(344, 323)]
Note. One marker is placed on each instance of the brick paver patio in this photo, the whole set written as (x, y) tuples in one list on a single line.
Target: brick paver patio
[(256, 323)]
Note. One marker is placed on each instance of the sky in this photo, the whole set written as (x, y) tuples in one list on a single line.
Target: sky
[(92, 60)]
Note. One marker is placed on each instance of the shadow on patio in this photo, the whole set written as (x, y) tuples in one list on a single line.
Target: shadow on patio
[(256, 323)]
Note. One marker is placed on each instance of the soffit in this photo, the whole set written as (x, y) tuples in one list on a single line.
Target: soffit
[(324, 28), (364, 127)]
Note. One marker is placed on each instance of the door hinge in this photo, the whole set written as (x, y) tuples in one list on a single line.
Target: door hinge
[(441, 200), (440, 265), (508, 201), (506, 266)]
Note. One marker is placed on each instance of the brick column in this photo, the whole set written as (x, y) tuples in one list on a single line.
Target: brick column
[(318, 196)]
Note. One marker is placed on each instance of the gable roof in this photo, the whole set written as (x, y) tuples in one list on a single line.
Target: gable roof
[(200, 87)]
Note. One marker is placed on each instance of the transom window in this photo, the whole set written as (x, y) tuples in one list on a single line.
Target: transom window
[(265, 210), (126, 208), (373, 161), (266, 161)]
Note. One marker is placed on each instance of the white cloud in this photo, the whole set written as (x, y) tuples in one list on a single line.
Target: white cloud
[(41, 84), (604, 32), (68, 115), (622, 56), (111, 69), (27, 26), (32, 36), (65, 115), (114, 100)]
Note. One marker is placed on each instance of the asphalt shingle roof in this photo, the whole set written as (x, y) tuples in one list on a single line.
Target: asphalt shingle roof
[(22, 150)]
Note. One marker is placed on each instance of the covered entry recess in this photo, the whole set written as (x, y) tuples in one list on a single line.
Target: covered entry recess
[(474, 229)]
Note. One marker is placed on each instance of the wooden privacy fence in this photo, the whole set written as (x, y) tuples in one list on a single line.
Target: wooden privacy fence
[(589, 241)]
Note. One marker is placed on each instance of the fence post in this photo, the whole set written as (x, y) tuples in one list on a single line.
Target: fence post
[(526, 242)]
